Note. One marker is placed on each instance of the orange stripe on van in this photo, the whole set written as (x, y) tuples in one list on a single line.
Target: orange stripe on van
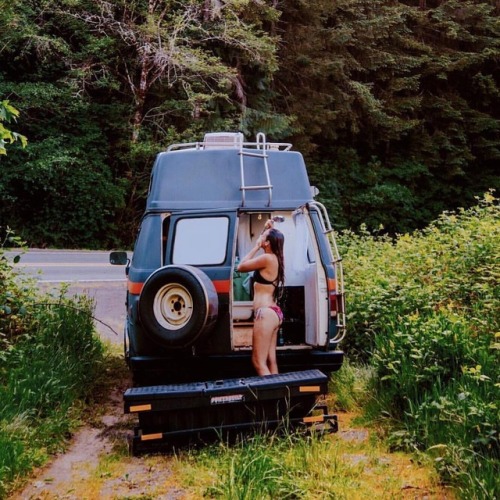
[(332, 284), (222, 286), (134, 288), (313, 419), (151, 437)]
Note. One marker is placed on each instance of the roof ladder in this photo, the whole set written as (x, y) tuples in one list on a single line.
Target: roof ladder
[(261, 146)]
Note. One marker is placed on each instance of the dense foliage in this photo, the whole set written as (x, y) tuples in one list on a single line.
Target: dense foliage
[(424, 312), (395, 103), (49, 359), (396, 98)]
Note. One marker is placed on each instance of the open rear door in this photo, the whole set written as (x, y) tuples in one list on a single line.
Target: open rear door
[(304, 267), (332, 266)]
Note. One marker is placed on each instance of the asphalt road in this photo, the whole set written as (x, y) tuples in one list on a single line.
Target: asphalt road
[(70, 266), (86, 273)]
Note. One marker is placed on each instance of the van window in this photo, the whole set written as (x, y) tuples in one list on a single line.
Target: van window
[(200, 241)]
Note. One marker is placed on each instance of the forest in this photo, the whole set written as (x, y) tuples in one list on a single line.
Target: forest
[(394, 104)]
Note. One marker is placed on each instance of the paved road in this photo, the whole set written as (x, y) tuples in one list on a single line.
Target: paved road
[(68, 266), (87, 273)]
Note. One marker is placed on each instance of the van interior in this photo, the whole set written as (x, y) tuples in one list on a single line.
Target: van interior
[(305, 322)]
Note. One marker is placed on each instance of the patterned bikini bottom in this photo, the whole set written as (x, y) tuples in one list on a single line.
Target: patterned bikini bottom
[(276, 309)]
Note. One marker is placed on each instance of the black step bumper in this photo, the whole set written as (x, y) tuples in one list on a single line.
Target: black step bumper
[(168, 411)]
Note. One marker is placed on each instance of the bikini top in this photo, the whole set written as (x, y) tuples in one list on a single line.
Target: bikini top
[(258, 278)]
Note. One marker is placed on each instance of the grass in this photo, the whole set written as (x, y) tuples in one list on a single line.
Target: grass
[(44, 375), (349, 387), (269, 466), (293, 466)]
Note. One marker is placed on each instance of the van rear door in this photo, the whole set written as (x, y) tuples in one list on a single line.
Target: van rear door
[(205, 239), (305, 268)]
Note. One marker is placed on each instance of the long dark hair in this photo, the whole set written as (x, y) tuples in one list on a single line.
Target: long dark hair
[(276, 241)]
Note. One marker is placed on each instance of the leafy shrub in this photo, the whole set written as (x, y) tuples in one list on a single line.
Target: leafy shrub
[(16, 296), (424, 311), (440, 381), (452, 264)]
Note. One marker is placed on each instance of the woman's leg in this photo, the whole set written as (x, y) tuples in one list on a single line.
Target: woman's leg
[(264, 332), (272, 364)]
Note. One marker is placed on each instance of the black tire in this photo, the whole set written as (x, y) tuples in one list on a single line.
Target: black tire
[(178, 305)]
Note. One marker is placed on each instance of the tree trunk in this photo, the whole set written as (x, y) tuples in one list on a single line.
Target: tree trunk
[(140, 97)]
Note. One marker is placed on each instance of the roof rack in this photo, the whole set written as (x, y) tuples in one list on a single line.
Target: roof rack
[(230, 140)]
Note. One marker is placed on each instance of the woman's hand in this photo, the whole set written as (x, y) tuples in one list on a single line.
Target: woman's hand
[(269, 224)]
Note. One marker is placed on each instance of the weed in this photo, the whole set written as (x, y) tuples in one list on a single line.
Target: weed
[(349, 386)]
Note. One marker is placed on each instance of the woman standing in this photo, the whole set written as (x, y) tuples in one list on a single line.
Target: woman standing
[(269, 278)]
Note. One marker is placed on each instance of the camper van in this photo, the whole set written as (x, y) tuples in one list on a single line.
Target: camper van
[(188, 330)]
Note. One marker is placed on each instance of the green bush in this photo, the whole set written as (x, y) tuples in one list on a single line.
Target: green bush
[(49, 359), (424, 311), (16, 295), (450, 265)]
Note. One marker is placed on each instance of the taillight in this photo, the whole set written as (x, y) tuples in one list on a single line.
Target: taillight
[(332, 295), (333, 303)]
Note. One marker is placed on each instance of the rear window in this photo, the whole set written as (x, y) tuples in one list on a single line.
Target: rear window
[(200, 241)]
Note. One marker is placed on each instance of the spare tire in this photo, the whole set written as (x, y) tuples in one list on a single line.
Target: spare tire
[(178, 305)]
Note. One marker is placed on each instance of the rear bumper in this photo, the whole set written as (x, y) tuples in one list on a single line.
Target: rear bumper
[(185, 368)]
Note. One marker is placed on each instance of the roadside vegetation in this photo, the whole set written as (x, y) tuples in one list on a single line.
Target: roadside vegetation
[(423, 373), (424, 314), (49, 360)]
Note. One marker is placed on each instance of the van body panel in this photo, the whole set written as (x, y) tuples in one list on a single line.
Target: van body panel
[(192, 179)]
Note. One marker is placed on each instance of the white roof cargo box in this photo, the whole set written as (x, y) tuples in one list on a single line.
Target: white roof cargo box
[(223, 140)]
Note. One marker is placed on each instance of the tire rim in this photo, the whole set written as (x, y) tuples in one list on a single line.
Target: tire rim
[(173, 306)]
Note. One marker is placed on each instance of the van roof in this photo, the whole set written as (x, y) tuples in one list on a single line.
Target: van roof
[(189, 179)]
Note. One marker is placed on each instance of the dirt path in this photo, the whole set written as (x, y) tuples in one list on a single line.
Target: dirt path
[(97, 464)]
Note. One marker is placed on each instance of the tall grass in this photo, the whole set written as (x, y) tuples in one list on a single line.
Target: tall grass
[(348, 387), (288, 465), (49, 358), (424, 312)]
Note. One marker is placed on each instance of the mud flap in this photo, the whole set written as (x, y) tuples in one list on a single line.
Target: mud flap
[(169, 412)]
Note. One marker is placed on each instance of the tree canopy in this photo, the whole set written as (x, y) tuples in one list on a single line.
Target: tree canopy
[(395, 104)]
